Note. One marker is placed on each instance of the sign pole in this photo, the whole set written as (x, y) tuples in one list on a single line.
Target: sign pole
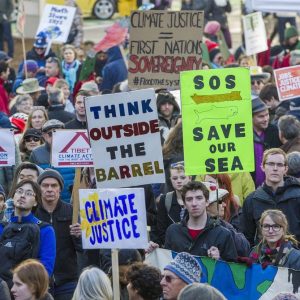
[(75, 195), (115, 273)]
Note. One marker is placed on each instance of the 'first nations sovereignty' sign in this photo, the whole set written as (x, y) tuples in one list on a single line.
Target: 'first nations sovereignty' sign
[(124, 135), (162, 44)]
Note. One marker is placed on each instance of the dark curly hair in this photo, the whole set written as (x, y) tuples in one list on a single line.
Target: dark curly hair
[(145, 280)]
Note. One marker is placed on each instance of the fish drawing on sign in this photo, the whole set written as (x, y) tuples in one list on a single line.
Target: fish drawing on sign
[(214, 112)]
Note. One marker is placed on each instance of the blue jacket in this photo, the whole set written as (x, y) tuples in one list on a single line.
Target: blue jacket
[(114, 71), (47, 252)]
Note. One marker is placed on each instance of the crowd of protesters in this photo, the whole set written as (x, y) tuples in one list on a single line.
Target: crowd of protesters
[(240, 217)]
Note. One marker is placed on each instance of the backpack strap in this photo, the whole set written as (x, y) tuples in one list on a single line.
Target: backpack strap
[(168, 201)]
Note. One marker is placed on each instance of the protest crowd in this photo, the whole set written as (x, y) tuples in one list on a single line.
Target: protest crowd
[(239, 209)]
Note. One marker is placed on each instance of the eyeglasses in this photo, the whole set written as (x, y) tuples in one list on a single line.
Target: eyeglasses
[(177, 164), (275, 227), (169, 278), (20, 191), (28, 139), (273, 164), (258, 82)]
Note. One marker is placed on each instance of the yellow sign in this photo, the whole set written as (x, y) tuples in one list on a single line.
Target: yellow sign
[(217, 121)]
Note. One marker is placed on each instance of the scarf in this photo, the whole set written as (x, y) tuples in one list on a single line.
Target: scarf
[(70, 72)]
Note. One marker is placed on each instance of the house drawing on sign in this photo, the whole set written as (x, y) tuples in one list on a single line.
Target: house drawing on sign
[(74, 139)]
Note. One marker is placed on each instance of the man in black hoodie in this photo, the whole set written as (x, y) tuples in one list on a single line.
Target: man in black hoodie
[(277, 192)]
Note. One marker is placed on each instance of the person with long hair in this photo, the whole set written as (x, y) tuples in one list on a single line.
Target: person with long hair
[(93, 284), (31, 139), (30, 281), (37, 118), (277, 247)]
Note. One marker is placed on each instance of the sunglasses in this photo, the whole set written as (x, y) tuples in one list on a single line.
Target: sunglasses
[(28, 139), (169, 278)]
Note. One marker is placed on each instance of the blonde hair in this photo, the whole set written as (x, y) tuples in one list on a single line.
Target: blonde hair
[(34, 275), (273, 151), (93, 284), (279, 218), (29, 120), (59, 83)]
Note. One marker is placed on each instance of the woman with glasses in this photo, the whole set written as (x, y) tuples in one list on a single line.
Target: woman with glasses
[(276, 247), (27, 236), (37, 118), (31, 139)]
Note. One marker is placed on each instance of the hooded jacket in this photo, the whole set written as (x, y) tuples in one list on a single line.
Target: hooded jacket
[(114, 71), (178, 239), (286, 199)]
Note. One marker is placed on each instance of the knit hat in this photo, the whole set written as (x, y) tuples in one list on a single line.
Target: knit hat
[(290, 32), (2, 192), (258, 105), (18, 122), (295, 103), (186, 267), (51, 81), (129, 256), (213, 53), (197, 291), (41, 41), (212, 188), (53, 124), (90, 86), (31, 66), (50, 173), (212, 27)]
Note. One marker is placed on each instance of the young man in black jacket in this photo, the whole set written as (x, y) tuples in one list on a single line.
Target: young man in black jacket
[(59, 214), (198, 234)]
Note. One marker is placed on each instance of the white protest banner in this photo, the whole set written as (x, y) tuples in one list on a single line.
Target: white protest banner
[(255, 33), (124, 136), (56, 22), (162, 44), (288, 82), (71, 148), (276, 5), (7, 148), (113, 218)]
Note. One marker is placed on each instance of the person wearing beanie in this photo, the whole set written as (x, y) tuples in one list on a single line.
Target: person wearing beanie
[(216, 58), (200, 291), (265, 136), (291, 38), (168, 113), (68, 237), (180, 272)]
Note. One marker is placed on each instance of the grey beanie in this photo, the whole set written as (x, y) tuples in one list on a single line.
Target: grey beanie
[(50, 173), (200, 291), (186, 267)]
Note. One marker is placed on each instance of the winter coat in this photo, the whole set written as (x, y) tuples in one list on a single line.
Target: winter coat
[(114, 71), (4, 291), (213, 12), (291, 145), (75, 124), (178, 239), (165, 218), (47, 250), (4, 99), (286, 199), (66, 245), (6, 9), (58, 112)]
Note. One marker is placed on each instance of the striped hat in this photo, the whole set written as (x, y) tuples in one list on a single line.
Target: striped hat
[(186, 267)]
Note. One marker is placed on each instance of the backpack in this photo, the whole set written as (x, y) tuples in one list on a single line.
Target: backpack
[(168, 201), (19, 241)]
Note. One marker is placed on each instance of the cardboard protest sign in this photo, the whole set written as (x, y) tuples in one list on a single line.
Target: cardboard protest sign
[(56, 22), (113, 218), (124, 135), (217, 121), (162, 44), (7, 148), (71, 148), (288, 82), (255, 33), (276, 5)]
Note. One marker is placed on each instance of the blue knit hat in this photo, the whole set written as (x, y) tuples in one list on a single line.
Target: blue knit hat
[(186, 267)]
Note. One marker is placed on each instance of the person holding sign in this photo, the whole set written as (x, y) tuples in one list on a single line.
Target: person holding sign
[(198, 234)]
